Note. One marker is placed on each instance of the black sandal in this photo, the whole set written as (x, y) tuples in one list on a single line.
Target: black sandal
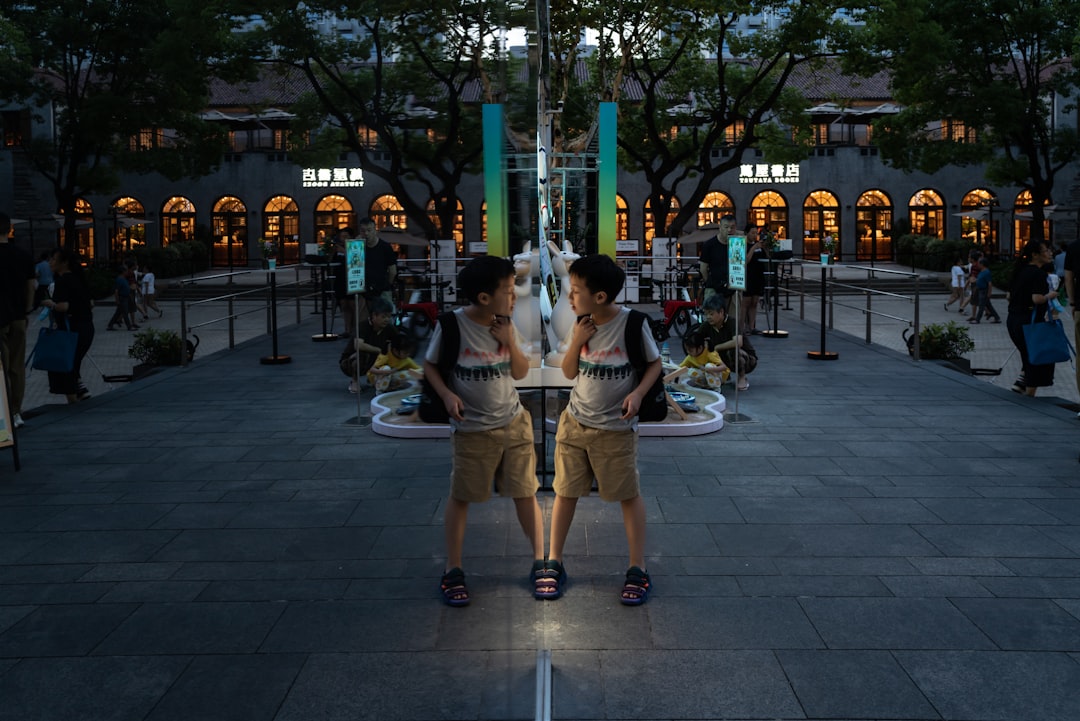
[(636, 589), (453, 588), (548, 584)]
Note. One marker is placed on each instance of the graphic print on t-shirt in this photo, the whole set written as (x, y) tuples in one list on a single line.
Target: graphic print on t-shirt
[(604, 364), (480, 365)]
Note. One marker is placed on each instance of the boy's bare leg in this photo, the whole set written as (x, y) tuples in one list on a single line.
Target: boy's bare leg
[(633, 511), (457, 512), (531, 518), (562, 515)]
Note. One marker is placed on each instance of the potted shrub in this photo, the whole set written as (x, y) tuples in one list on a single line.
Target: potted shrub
[(153, 348), (943, 341)]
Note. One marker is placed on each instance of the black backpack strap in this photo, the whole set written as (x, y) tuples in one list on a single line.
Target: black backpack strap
[(451, 341), (634, 352)]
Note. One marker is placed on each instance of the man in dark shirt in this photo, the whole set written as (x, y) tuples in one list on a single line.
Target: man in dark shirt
[(17, 279), (714, 262), (380, 268)]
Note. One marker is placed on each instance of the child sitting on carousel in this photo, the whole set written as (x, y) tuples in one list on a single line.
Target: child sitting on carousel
[(703, 367), (395, 369)]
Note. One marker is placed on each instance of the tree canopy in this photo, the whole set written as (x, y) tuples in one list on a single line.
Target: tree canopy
[(710, 94), (979, 82), (124, 82)]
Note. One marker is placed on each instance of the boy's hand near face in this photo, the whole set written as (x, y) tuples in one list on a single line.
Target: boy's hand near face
[(584, 329)]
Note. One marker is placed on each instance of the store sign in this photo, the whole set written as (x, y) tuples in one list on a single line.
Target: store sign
[(332, 178), (769, 173)]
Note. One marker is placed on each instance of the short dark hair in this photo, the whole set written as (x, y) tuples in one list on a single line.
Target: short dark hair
[(715, 302), (380, 306), (365, 221), (600, 273), (694, 339), (728, 216), (483, 275), (403, 344)]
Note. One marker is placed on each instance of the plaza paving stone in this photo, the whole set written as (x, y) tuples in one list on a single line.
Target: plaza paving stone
[(883, 539)]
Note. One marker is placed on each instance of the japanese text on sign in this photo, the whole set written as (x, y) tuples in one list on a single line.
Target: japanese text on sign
[(769, 173), (332, 177)]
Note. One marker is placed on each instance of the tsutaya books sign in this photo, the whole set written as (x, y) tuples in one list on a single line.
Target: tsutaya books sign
[(769, 173), (332, 178)]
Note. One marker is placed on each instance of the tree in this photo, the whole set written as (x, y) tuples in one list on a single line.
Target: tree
[(397, 95), (710, 94), (124, 82), (979, 81)]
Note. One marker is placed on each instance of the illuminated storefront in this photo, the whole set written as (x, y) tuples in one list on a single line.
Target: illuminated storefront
[(230, 230)]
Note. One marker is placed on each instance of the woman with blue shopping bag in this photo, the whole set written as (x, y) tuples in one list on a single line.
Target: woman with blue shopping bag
[(1029, 299), (72, 308)]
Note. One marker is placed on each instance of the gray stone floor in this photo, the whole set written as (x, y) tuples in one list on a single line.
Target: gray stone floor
[(884, 539)]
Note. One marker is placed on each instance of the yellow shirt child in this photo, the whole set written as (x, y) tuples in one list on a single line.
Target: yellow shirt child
[(391, 372)]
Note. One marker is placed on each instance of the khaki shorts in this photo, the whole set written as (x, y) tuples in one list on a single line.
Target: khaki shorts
[(583, 453), (505, 454)]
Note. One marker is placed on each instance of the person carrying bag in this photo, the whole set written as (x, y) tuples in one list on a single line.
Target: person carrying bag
[(55, 349), (1046, 341)]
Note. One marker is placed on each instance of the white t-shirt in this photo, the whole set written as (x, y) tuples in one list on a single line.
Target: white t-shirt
[(958, 276), (148, 284), (605, 376), (481, 376)]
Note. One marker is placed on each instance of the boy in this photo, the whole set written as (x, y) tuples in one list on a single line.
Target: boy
[(491, 432), (597, 435), (720, 336), (374, 339)]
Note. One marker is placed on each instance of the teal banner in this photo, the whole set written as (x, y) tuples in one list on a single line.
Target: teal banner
[(498, 226), (607, 180)]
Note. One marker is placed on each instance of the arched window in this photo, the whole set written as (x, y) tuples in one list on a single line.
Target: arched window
[(483, 224), (128, 230), (769, 210), (977, 219), (714, 206), (332, 213), (650, 223), (873, 224), (927, 211), (228, 222), (84, 228), (1022, 221), (458, 233), (821, 217), (177, 220), (386, 211), (622, 218), (281, 224)]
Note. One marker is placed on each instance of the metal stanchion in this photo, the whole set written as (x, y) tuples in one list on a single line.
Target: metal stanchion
[(321, 302), (274, 358), (774, 331), (823, 354)]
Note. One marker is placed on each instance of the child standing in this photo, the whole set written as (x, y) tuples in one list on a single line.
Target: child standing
[(597, 435), (393, 369), (491, 432)]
